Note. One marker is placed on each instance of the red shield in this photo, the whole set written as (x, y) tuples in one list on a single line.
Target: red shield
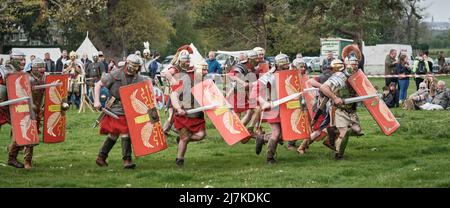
[(143, 121), (224, 119), (310, 98), (54, 116), (24, 126), (377, 108), (295, 121)]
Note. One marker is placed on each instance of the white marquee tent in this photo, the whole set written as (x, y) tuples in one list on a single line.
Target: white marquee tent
[(86, 47)]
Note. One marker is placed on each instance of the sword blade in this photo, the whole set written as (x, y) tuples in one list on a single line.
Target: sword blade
[(200, 109), (110, 113), (359, 98), (291, 97), (44, 86), (14, 101)]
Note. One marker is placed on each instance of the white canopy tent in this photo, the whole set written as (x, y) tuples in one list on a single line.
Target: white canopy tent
[(86, 47)]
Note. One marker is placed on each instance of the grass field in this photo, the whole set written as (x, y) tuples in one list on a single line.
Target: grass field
[(417, 155)]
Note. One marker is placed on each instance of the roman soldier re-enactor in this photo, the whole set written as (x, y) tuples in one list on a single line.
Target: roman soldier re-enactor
[(343, 116), (190, 127), (76, 71), (240, 97), (281, 63), (321, 109), (16, 64), (116, 128)]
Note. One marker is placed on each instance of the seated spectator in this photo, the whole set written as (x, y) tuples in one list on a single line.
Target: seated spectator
[(441, 100), (389, 97), (418, 98)]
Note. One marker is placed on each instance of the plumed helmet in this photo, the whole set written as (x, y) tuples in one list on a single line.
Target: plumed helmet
[(351, 51), (146, 51), (336, 65), (252, 54), (281, 60), (38, 62)]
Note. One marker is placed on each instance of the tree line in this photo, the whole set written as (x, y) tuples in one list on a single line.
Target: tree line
[(290, 26)]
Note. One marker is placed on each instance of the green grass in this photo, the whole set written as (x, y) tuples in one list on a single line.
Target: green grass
[(417, 155)]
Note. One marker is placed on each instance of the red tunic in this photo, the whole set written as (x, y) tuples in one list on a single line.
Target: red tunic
[(192, 124), (109, 125)]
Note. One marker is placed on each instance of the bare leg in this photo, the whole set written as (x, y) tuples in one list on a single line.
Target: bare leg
[(273, 142), (341, 142)]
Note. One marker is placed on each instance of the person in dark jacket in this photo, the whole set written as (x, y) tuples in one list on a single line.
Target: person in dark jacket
[(60, 62), (388, 97), (49, 63), (403, 69)]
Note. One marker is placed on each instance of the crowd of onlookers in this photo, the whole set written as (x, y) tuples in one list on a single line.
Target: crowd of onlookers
[(430, 94)]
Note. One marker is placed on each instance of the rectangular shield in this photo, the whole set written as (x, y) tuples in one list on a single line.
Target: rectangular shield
[(54, 117), (223, 118), (263, 68), (23, 120), (295, 120), (377, 108), (143, 121), (310, 99)]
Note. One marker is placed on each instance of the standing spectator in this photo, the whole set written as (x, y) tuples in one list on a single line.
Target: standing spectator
[(153, 66), (85, 60), (60, 62), (102, 59), (403, 69), (49, 63), (28, 66), (429, 60), (112, 65), (214, 66), (390, 67), (1, 61), (421, 67), (299, 56), (327, 62)]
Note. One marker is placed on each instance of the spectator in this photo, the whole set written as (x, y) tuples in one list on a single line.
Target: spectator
[(390, 67), (327, 62), (112, 65), (153, 67), (299, 56), (418, 98), (214, 66), (389, 97), (85, 60), (441, 59), (28, 66), (102, 59), (1, 61), (49, 63), (441, 100), (429, 60), (403, 69), (60, 62), (421, 67)]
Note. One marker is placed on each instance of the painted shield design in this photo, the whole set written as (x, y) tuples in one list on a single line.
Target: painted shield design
[(223, 118), (143, 121), (295, 120), (54, 116), (376, 106), (24, 126)]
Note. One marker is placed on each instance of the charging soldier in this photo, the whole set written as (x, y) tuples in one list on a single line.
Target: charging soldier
[(117, 127), (343, 116)]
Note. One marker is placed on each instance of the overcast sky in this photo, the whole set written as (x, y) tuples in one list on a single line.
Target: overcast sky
[(439, 9)]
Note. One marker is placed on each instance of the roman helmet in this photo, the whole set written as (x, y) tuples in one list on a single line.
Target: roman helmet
[(336, 66), (299, 64), (17, 60), (252, 57), (351, 55), (134, 63), (282, 62), (261, 52), (38, 67)]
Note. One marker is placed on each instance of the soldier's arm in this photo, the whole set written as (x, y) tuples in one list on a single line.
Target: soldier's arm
[(326, 90), (168, 74), (314, 83), (176, 103), (97, 88)]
